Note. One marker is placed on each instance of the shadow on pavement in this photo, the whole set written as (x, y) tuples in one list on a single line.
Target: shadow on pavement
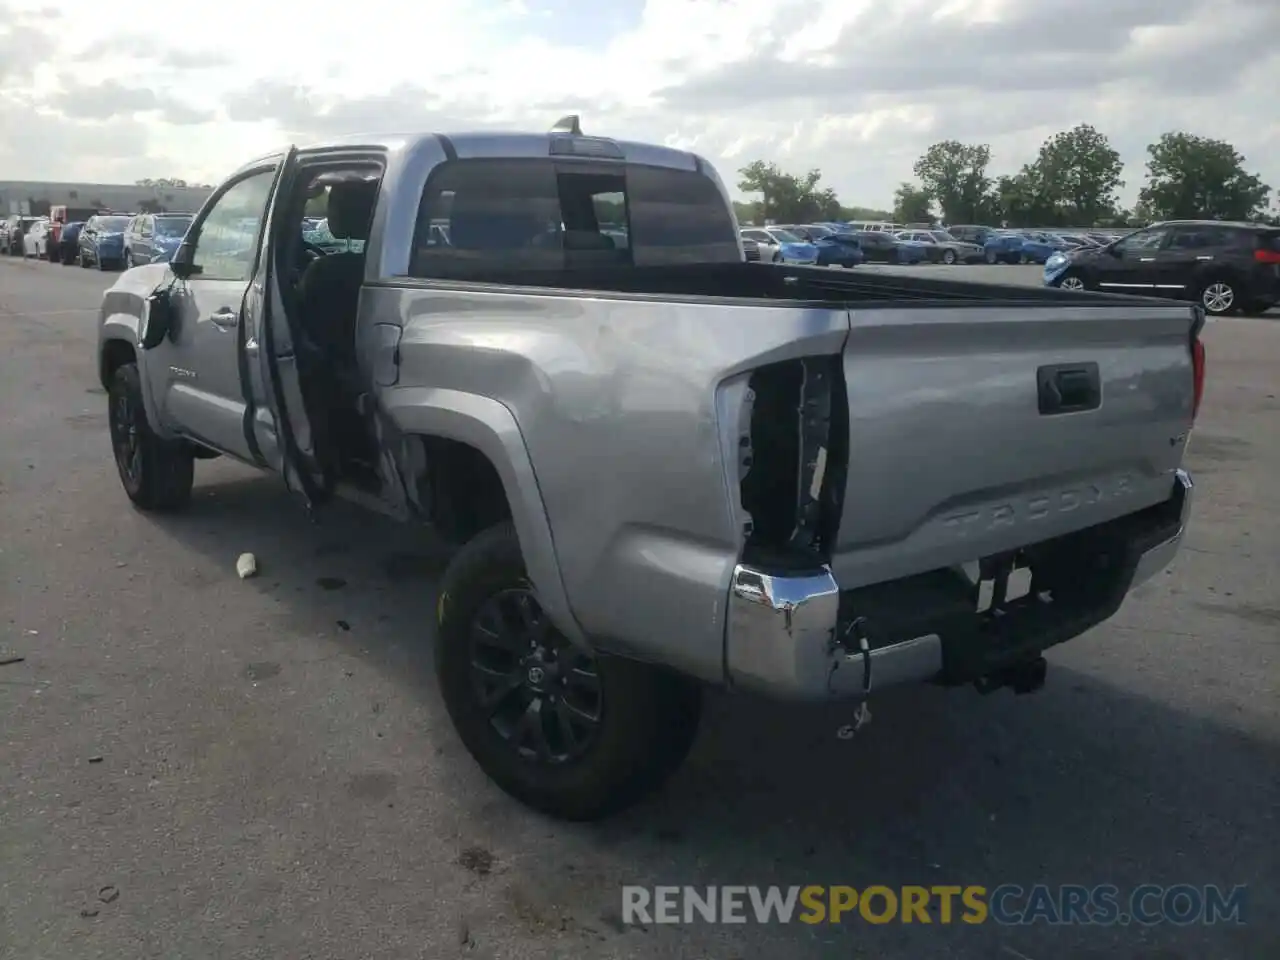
[(1082, 783)]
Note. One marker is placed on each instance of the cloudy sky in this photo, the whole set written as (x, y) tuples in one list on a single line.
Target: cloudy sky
[(856, 87)]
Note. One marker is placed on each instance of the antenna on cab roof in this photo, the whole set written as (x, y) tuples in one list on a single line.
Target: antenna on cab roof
[(570, 124)]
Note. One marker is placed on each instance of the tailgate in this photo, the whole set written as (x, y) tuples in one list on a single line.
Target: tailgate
[(975, 430)]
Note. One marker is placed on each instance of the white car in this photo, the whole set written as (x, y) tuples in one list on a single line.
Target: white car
[(35, 242)]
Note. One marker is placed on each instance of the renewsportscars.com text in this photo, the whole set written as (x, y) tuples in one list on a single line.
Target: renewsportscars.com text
[(1007, 904)]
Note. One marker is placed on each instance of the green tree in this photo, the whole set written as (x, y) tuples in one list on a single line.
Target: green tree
[(911, 204), (1022, 200), (751, 211), (864, 213), (1079, 173), (786, 197), (1190, 177), (954, 175)]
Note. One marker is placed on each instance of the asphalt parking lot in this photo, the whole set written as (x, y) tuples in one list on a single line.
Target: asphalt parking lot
[(192, 765)]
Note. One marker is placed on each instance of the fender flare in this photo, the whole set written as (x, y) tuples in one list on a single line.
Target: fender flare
[(491, 428), (123, 328)]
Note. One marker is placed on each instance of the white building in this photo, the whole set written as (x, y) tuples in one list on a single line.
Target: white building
[(31, 197)]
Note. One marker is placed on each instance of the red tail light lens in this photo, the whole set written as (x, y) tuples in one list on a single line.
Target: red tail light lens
[(1267, 256), (1197, 373)]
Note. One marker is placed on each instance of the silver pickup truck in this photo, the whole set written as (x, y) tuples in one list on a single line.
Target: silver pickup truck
[(665, 467)]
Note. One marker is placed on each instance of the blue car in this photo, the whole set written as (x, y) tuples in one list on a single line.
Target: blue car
[(1039, 247), (1003, 248), (101, 242), (836, 248), (68, 243), (792, 248), (153, 237), (880, 247)]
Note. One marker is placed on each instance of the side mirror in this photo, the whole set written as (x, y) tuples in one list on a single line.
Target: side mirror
[(159, 319), (182, 264), (1115, 250)]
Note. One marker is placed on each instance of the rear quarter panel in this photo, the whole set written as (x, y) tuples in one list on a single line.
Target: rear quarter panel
[(624, 407)]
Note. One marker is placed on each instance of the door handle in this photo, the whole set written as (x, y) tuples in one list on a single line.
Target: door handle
[(1204, 258), (1069, 388), (1145, 259), (225, 319)]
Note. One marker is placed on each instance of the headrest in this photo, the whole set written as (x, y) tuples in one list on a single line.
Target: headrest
[(351, 204), (480, 223)]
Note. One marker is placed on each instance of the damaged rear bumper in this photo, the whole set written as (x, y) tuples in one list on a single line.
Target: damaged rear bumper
[(797, 636)]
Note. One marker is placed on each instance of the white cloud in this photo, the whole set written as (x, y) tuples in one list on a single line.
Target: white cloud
[(857, 88)]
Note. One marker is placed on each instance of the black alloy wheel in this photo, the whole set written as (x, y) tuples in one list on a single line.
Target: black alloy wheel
[(541, 693)]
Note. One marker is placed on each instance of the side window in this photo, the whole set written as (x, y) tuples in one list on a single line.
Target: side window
[(1195, 238), (1143, 241), (228, 238), (485, 215), (679, 216)]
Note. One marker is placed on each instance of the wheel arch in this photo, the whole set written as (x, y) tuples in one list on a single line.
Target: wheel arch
[(488, 427)]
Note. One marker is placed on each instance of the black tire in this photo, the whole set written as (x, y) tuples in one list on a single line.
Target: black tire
[(84, 264), (948, 257), (156, 474), (990, 257), (646, 717)]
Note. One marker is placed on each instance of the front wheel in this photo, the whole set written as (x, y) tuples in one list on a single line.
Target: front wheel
[(1218, 297), (1072, 281), (948, 257), (575, 734), (157, 474)]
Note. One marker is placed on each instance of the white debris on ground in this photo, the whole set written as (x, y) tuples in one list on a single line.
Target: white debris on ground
[(247, 566)]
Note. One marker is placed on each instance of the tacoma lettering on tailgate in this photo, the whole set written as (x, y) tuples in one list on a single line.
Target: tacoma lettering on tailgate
[(1037, 507)]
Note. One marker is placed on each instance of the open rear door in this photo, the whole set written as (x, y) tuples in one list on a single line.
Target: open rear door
[(278, 417)]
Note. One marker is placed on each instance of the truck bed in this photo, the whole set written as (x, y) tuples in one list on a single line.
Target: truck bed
[(789, 285), (878, 425)]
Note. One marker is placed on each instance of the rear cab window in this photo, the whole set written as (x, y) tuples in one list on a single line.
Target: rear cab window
[(488, 216)]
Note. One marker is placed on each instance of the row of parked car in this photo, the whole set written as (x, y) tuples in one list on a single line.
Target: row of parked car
[(851, 243), (117, 241), (108, 241)]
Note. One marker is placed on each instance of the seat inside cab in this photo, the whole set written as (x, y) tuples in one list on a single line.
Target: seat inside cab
[(331, 262)]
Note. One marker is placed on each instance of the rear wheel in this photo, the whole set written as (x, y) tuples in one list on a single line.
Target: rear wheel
[(990, 257), (157, 474), (574, 734), (1219, 297)]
